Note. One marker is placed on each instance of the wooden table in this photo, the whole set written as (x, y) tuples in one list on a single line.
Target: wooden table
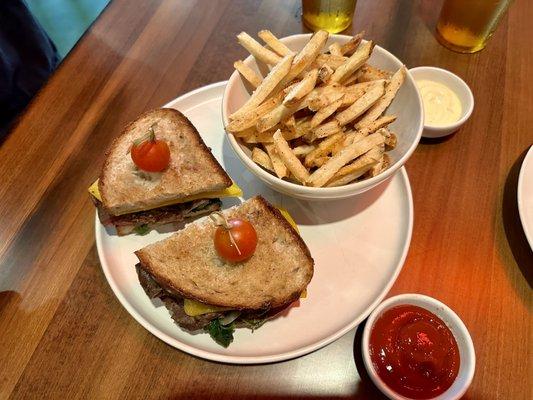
[(63, 334)]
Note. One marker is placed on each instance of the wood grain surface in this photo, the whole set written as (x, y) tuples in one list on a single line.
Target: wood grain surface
[(63, 334)]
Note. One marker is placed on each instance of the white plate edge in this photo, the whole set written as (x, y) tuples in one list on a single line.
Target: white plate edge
[(519, 196)]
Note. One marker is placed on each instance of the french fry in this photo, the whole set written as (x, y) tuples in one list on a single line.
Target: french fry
[(320, 161), (279, 114), (381, 166), (323, 149), (259, 52), (351, 80), (248, 119), (377, 124), (352, 136), (369, 73), (338, 146), (259, 137), (289, 159), (301, 89), (327, 129), (358, 167), (272, 118), (267, 137), (360, 105), (349, 138), (292, 103), (322, 96), (303, 150), (267, 86), (262, 158), (309, 138), (374, 155), (391, 142), (330, 60), (346, 179), (353, 63), (348, 48), (290, 123), (297, 132), (390, 91), (279, 167), (247, 73), (335, 49), (274, 43), (322, 175), (325, 112), (303, 127), (307, 55), (244, 133), (353, 92), (390, 138), (324, 73)]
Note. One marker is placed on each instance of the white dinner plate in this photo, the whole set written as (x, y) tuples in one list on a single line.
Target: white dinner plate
[(359, 246), (525, 196)]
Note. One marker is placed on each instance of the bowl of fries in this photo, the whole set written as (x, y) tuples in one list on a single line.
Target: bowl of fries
[(321, 117)]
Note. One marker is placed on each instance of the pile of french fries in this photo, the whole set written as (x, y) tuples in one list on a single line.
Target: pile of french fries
[(317, 117)]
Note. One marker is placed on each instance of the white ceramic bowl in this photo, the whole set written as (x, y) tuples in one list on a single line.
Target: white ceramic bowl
[(458, 86), (464, 342), (407, 106)]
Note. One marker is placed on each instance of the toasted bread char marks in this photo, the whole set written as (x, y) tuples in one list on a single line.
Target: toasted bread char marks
[(187, 264), (192, 170)]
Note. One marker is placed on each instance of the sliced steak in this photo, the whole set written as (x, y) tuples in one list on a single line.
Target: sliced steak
[(173, 303), (177, 312), (150, 286), (127, 223)]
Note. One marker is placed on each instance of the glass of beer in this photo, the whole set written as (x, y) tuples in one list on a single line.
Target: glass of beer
[(330, 15), (466, 26)]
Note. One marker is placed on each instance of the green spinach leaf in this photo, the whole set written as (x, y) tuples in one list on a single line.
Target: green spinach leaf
[(253, 324), (142, 229), (222, 334)]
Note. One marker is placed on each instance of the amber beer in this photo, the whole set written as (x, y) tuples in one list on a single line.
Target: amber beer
[(466, 25), (331, 15)]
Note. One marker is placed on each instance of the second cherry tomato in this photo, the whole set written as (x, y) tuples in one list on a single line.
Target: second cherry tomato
[(151, 155), (244, 236)]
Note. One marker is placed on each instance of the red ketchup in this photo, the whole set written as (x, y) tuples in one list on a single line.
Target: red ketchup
[(414, 352)]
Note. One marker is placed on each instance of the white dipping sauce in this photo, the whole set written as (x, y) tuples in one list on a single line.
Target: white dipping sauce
[(441, 105)]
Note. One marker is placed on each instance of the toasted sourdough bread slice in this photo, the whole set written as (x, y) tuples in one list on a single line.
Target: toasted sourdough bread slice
[(188, 265), (192, 170)]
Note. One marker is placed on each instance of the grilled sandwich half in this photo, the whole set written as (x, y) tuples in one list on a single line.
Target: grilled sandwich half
[(134, 200), (204, 292)]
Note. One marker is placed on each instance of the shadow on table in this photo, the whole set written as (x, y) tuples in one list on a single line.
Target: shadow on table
[(228, 396), (231, 396), (512, 225), (437, 140), (365, 388)]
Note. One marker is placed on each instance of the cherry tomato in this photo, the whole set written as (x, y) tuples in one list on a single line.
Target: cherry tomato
[(151, 155), (244, 236)]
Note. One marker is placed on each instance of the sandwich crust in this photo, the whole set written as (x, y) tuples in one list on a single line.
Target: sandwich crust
[(188, 265), (192, 170)]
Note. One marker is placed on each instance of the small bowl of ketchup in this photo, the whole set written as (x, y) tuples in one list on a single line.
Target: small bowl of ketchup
[(415, 347)]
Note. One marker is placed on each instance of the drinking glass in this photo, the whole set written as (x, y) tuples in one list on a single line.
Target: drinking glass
[(330, 15), (465, 26)]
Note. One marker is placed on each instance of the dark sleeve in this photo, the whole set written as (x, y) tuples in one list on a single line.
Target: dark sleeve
[(27, 58)]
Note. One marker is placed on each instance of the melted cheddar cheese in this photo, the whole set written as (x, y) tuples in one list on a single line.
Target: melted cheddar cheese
[(232, 191)]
